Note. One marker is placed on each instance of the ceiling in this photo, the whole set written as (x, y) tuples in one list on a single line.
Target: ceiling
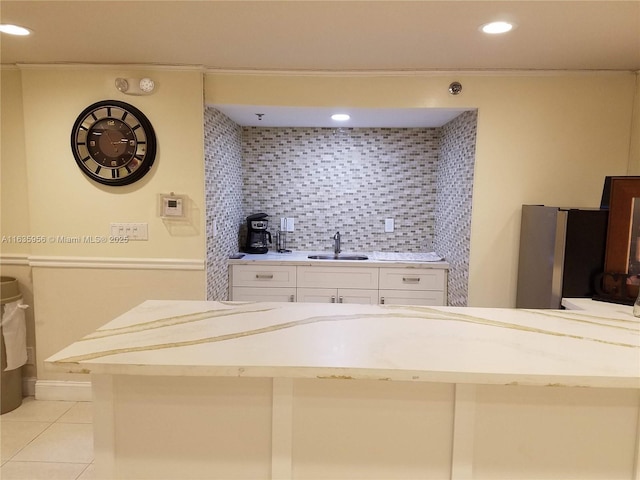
[(270, 116), (333, 36)]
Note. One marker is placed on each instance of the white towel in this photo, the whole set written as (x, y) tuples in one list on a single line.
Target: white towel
[(406, 257), (14, 331)]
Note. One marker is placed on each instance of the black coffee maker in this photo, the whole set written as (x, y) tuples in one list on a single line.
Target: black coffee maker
[(257, 233)]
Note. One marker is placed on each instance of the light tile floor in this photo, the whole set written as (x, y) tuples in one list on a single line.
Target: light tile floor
[(48, 440)]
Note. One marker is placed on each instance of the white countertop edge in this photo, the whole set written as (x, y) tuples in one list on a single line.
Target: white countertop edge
[(346, 373), (300, 258)]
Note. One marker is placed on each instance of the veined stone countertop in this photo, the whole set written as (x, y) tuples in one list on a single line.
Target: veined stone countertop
[(342, 341), (376, 259)]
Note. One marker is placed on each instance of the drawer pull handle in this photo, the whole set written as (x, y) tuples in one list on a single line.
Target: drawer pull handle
[(381, 300), (292, 298), (267, 276), (333, 299), (411, 279), (340, 300)]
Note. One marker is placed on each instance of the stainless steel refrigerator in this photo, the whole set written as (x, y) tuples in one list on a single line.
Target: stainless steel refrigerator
[(561, 253)]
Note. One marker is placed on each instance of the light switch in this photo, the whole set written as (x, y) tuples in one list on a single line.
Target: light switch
[(388, 225), (133, 231)]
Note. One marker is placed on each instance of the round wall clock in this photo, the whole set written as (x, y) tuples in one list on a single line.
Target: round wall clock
[(113, 143)]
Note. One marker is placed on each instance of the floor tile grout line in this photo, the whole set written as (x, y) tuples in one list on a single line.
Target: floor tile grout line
[(77, 477), (32, 399), (84, 470), (49, 425), (28, 443), (65, 412)]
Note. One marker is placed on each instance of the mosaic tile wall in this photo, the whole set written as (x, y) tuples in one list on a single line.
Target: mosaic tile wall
[(346, 180), (342, 179), (223, 197), (453, 204)]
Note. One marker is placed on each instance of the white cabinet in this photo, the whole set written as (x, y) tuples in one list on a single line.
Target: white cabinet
[(337, 277), (337, 295), (411, 297), (262, 283), (413, 286), (263, 275), (338, 284), (263, 294), (411, 278), (330, 284)]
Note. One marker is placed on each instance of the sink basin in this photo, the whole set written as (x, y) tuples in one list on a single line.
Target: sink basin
[(338, 257)]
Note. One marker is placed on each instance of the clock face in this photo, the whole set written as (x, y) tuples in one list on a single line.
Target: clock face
[(113, 143)]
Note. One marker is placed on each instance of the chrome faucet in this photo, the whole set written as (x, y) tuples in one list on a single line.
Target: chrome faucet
[(336, 243)]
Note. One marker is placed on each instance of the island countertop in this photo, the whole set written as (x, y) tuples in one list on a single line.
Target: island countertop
[(404, 343)]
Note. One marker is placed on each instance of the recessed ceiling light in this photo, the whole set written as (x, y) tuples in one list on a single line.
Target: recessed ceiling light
[(14, 29), (340, 117), (494, 28)]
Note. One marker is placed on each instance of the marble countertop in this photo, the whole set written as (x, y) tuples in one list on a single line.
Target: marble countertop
[(595, 305), (376, 259), (405, 343)]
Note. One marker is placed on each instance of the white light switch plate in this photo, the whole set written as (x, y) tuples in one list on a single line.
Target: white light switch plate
[(133, 231), (287, 224), (388, 225)]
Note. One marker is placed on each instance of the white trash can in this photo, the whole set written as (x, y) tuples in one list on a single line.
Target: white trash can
[(11, 388)]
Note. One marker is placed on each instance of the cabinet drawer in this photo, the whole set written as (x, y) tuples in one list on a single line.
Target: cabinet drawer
[(268, 294), (412, 279), (337, 277), (412, 297), (263, 276)]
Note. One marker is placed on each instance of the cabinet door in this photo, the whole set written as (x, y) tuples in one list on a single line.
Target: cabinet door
[(412, 297), (361, 296), (317, 295), (251, 294), (340, 295)]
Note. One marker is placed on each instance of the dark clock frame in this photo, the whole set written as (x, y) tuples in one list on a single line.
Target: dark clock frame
[(113, 143)]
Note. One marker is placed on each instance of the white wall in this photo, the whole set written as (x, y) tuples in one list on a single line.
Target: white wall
[(63, 201), (13, 167), (78, 287), (14, 199), (542, 138)]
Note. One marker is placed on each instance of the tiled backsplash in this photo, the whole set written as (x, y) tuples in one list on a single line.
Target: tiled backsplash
[(349, 180), (453, 206), (346, 180), (223, 197)]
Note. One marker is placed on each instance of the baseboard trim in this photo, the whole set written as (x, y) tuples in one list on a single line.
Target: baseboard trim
[(28, 386), (63, 390)]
